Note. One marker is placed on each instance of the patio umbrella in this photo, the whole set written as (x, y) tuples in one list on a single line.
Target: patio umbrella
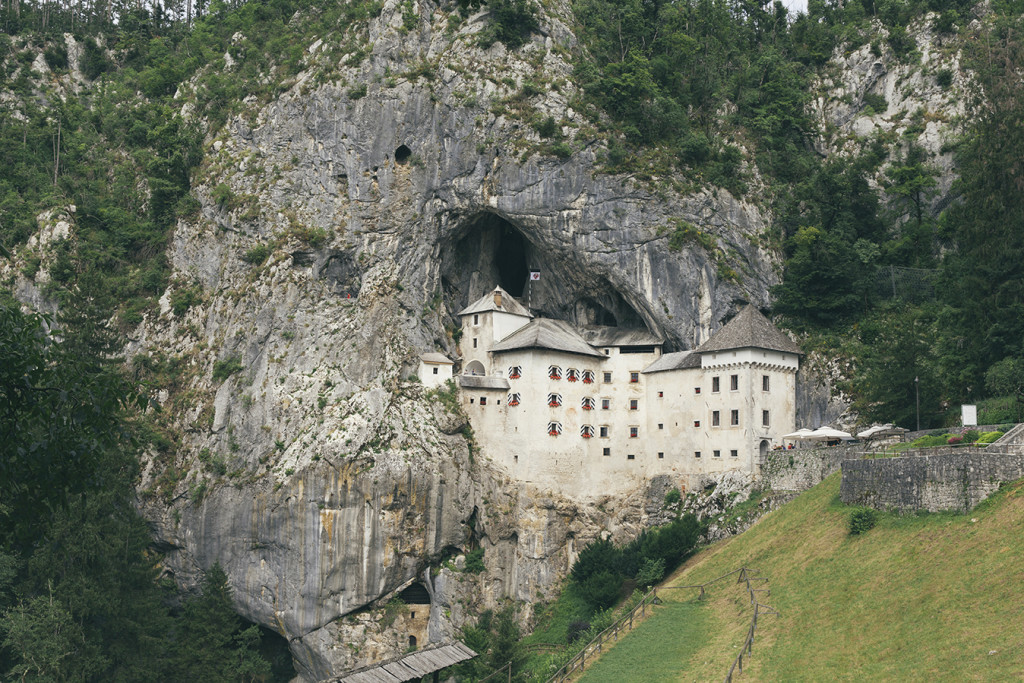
[(879, 431), (829, 434), (798, 435)]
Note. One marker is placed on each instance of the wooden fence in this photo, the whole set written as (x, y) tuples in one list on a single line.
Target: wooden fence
[(594, 648)]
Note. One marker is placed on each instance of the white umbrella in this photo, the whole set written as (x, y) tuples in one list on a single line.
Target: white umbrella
[(881, 430), (829, 434), (798, 435)]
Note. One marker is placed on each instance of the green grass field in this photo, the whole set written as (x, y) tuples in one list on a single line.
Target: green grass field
[(920, 597)]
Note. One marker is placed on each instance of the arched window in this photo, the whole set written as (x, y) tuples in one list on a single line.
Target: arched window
[(572, 375), (588, 376), (588, 403), (513, 399), (587, 431), (554, 428), (554, 372), (554, 400), (515, 372)]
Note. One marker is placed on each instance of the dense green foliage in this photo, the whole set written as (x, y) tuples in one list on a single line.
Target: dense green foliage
[(602, 568), (79, 597)]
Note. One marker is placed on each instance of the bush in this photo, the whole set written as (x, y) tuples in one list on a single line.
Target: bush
[(512, 22), (596, 556), (650, 573), (989, 437), (944, 78), (971, 435), (547, 128), (185, 298), (877, 103), (931, 441), (357, 92), (673, 497), (475, 561), (576, 629), (955, 439), (56, 57), (602, 589), (862, 520), (223, 369), (257, 255)]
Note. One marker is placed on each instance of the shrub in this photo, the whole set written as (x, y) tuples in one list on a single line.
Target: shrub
[(944, 78), (673, 497), (989, 437), (475, 561), (576, 629), (602, 589), (562, 150), (650, 573), (877, 103), (971, 435), (862, 520), (94, 61), (56, 57), (223, 369), (596, 556), (257, 255), (185, 298), (357, 92), (954, 440), (931, 441), (547, 128), (512, 22)]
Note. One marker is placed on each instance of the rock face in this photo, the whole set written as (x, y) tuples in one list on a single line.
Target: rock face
[(311, 468)]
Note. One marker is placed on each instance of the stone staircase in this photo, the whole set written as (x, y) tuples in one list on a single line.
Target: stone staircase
[(1010, 442)]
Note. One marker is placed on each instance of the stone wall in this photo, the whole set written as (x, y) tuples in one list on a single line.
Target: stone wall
[(953, 481), (802, 468)]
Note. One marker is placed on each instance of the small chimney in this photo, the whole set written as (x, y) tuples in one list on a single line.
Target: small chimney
[(497, 297)]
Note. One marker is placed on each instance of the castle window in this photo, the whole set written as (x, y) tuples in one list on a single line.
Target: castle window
[(715, 418), (515, 372), (734, 382), (572, 375), (734, 453), (588, 376), (435, 371), (634, 377), (661, 456), (474, 342), (661, 394), (554, 400), (696, 454), (472, 401), (714, 385), (766, 383), (630, 457), (554, 428), (586, 431), (513, 399), (696, 390), (606, 451), (661, 426), (588, 403), (717, 454), (412, 642), (476, 319), (734, 418), (634, 432), (483, 400), (764, 418), (696, 423), (606, 403), (607, 378), (554, 372), (604, 431), (634, 404)]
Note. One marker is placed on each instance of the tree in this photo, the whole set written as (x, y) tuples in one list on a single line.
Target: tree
[(1006, 378)]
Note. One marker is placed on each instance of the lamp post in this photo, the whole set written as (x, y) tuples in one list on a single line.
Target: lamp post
[(917, 402)]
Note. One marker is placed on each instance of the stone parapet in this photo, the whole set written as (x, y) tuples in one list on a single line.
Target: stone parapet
[(951, 481)]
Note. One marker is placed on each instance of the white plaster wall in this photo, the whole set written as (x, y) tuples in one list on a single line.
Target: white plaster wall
[(434, 374)]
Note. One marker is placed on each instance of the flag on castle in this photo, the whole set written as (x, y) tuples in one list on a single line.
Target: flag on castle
[(534, 275)]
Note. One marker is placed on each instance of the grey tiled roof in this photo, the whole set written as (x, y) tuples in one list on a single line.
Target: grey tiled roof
[(486, 303), (547, 333), (482, 382), (679, 360), (749, 329), (409, 667), (620, 336), (437, 358)]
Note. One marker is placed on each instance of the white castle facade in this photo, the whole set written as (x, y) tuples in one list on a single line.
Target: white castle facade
[(602, 410)]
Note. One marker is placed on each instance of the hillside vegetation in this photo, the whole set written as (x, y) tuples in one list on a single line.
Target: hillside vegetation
[(928, 597)]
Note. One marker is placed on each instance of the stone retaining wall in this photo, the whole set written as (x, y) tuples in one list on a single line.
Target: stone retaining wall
[(953, 481), (802, 468)]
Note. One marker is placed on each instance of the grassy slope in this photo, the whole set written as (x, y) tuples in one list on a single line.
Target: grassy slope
[(921, 597)]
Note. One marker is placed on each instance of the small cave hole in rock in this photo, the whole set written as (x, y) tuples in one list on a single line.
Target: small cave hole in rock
[(402, 154), (415, 594)]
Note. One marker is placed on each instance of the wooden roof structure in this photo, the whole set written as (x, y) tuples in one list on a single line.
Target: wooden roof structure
[(409, 667)]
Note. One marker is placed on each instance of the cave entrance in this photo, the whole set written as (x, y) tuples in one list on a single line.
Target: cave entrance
[(489, 251)]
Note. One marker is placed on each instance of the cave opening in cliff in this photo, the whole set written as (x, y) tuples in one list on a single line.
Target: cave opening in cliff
[(487, 251), (402, 154)]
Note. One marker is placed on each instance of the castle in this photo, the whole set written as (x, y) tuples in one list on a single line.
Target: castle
[(601, 410)]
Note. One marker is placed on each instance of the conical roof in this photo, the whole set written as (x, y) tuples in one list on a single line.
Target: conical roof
[(749, 329)]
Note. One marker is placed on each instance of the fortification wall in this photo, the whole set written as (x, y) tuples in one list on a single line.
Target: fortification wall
[(951, 481), (802, 468)]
